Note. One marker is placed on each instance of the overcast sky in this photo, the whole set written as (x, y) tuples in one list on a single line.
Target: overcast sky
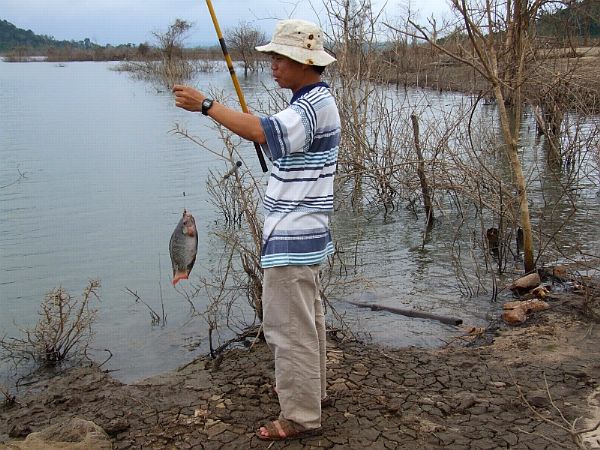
[(133, 21)]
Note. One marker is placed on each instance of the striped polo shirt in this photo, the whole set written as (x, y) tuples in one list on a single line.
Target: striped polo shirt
[(302, 142)]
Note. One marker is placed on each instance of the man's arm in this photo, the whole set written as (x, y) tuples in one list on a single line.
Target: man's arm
[(243, 124)]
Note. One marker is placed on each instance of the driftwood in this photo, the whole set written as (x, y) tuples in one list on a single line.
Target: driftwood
[(410, 313)]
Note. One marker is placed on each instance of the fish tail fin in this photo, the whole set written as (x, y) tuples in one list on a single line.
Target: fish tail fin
[(178, 276)]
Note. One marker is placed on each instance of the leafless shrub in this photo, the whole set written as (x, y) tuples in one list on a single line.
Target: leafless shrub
[(164, 73), (9, 399), (470, 161), (169, 64), (372, 125), (236, 275), (63, 331)]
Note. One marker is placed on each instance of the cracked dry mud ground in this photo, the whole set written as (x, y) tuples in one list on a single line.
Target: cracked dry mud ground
[(510, 394)]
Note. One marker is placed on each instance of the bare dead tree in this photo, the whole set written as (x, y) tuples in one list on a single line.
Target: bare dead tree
[(421, 172), (167, 65), (372, 122), (171, 41), (498, 33), (241, 40)]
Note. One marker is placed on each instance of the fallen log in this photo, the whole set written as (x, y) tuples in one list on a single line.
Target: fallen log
[(410, 313)]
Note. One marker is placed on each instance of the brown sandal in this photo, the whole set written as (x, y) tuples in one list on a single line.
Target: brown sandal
[(282, 429)]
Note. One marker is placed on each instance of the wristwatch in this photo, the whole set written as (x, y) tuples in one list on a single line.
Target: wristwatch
[(206, 105)]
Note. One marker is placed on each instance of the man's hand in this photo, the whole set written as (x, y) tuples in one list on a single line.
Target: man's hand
[(245, 125), (188, 98)]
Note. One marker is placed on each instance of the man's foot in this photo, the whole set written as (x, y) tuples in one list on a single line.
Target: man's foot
[(282, 429)]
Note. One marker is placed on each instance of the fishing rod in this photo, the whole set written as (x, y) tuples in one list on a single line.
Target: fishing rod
[(236, 84)]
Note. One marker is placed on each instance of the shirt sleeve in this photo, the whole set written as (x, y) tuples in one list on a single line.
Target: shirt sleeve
[(288, 131)]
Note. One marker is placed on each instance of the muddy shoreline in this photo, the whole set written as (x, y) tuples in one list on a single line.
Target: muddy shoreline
[(524, 390)]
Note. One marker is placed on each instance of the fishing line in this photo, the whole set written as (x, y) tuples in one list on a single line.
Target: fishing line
[(185, 187)]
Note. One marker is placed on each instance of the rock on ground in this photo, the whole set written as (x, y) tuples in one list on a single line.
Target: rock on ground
[(72, 434)]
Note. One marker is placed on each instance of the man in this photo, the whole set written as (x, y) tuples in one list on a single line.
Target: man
[(302, 141)]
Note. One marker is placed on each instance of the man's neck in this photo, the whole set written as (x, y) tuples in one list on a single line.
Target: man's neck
[(309, 77)]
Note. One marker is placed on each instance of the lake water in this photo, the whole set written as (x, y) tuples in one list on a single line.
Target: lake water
[(103, 187)]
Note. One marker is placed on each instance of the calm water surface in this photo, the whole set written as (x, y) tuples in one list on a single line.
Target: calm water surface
[(103, 188), (102, 191)]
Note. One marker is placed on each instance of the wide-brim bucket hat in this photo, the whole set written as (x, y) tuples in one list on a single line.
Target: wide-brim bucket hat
[(299, 40)]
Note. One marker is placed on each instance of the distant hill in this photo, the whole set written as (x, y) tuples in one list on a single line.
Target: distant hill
[(13, 38)]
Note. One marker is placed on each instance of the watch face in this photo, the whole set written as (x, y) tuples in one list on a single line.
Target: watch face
[(206, 104)]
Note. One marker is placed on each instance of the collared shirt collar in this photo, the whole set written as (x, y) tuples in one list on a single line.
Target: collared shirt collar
[(303, 90)]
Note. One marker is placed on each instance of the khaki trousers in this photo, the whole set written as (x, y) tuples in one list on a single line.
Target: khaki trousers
[(294, 328)]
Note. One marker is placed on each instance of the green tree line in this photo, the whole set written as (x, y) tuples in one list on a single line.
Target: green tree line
[(14, 38)]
